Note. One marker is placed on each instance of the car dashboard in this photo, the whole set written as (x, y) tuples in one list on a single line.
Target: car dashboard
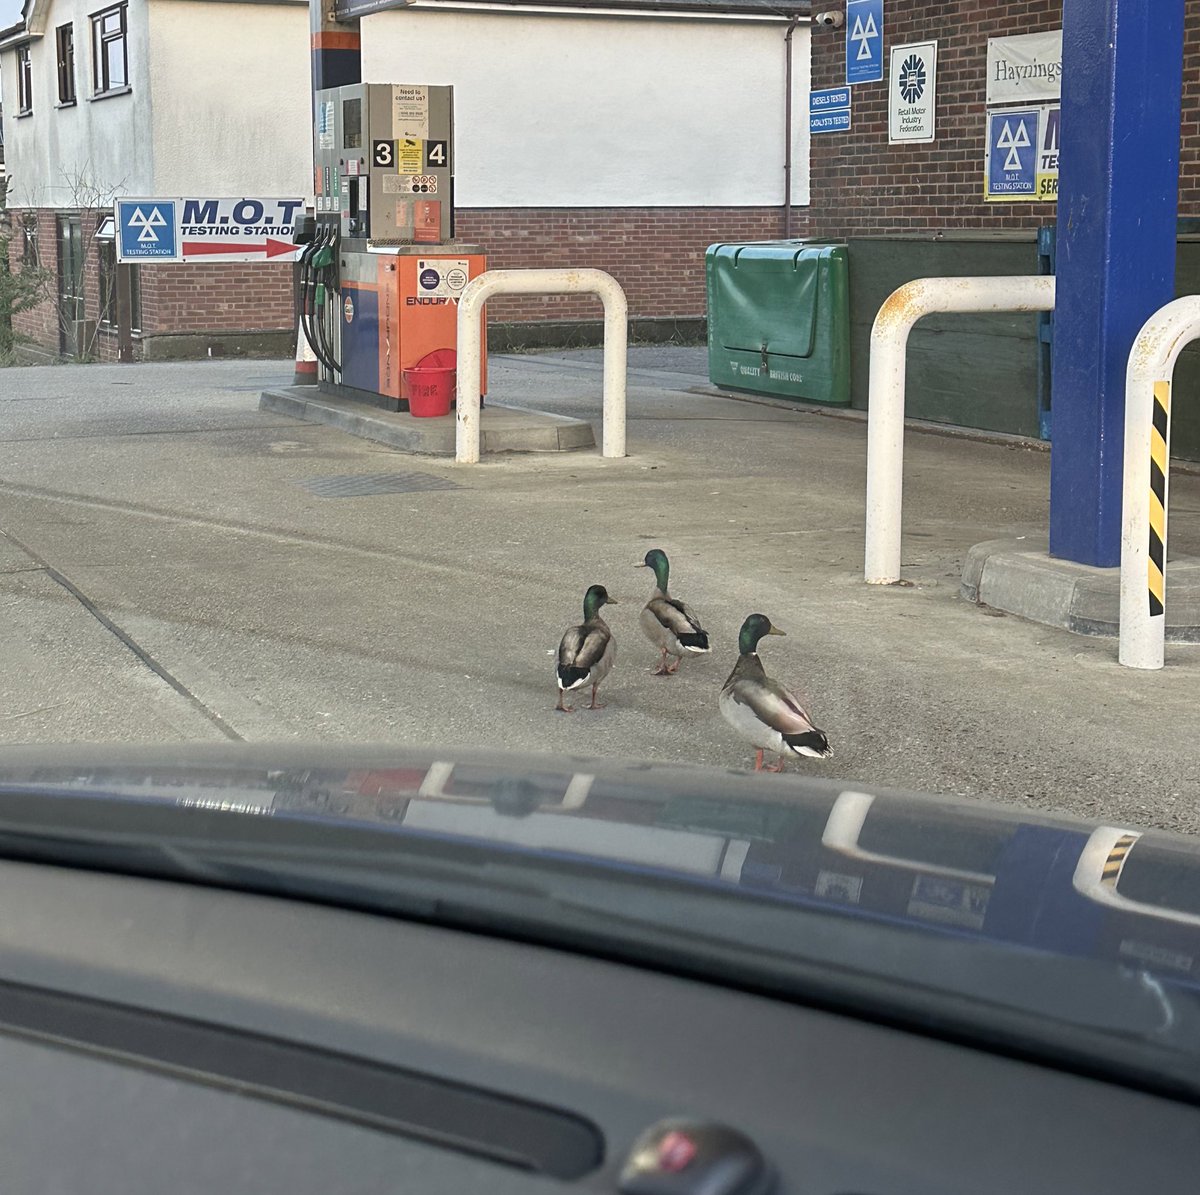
[(161, 1036)]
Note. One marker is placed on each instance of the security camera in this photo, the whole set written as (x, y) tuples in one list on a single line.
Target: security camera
[(831, 20)]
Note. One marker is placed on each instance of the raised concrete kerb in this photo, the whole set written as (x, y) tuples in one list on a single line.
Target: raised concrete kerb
[(1020, 577), (503, 429)]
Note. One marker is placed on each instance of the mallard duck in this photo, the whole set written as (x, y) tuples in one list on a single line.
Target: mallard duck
[(761, 709), (669, 623), (586, 653)]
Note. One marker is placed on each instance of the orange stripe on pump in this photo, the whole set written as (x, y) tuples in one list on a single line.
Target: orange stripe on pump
[(387, 276), (337, 39)]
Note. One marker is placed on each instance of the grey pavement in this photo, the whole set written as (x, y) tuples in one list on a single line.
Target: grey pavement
[(165, 575)]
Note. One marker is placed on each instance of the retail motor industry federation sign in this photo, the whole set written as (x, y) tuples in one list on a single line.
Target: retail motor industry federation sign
[(912, 92)]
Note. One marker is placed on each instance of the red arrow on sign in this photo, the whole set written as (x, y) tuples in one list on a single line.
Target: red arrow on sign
[(268, 248)]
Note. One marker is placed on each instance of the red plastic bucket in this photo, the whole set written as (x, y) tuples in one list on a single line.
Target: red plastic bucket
[(430, 390)]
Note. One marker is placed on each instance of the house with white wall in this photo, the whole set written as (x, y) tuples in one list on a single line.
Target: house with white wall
[(152, 97), (625, 135)]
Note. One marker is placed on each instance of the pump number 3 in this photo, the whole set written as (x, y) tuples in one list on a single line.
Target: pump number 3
[(383, 153)]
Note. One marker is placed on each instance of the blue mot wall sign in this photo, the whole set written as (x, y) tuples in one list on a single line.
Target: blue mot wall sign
[(864, 41), (146, 230), (1012, 153), (829, 110)]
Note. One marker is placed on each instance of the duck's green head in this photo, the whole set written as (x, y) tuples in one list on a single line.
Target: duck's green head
[(753, 629), (595, 597), (656, 559)]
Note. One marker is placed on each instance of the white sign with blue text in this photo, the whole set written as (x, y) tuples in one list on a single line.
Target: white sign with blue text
[(829, 110), (229, 229), (864, 41)]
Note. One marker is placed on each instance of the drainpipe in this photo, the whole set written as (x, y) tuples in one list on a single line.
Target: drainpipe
[(787, 127)]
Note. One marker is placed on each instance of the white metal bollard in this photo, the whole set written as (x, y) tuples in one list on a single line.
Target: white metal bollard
[(885, 409), (540, 282), (1146, 474)]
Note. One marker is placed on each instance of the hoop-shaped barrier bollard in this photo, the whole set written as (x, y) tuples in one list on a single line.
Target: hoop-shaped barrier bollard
[(540, 282), (1146, 472), (885, 404)]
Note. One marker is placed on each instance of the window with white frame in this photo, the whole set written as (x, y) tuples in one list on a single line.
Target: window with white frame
[(110, 57), (24, 81)]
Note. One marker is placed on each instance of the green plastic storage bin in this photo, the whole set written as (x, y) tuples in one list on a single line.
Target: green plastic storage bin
[(779, 319)]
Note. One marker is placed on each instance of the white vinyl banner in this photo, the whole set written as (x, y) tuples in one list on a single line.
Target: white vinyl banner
[(1024, 68)]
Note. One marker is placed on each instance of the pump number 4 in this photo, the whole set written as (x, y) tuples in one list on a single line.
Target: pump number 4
[(435, 154), (383, 153)]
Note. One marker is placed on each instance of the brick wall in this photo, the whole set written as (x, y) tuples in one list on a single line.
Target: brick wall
[(246, 297), (656, 254), (862, 185), (204, 299), (1189, 163), (39, 323)]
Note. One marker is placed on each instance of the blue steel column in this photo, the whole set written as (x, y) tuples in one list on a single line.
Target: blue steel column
[(336, 48), (1117, 208)]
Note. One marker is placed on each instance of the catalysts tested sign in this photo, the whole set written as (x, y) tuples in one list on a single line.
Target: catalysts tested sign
[(829, 110), (207, 229)]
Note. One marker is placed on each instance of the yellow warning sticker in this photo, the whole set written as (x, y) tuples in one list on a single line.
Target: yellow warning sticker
[(410, 156)]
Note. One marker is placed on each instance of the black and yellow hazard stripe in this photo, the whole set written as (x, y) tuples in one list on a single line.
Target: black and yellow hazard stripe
[(1157, 564), (1116, 859)]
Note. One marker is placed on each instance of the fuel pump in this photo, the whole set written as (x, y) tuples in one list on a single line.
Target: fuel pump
[(381, 278)]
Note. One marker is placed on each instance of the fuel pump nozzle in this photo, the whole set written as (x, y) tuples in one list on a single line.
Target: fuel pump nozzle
[(315, 273), (321, 261), (323, 271)]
